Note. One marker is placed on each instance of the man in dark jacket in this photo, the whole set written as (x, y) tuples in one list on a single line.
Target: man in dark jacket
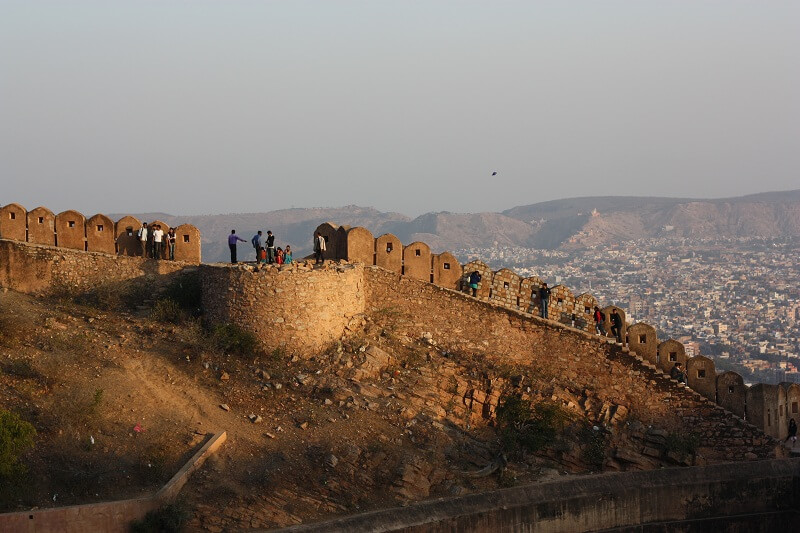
[(544, 297), (677, 373), (616, 325)]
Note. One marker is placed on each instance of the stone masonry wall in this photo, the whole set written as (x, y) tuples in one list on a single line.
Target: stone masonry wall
[(289, 307), (40, 269), (461, 323)]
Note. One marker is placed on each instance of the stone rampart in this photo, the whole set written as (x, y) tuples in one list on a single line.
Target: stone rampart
[(506, 288), (288, 307), (39, 269), (71, 229), (620, 378)]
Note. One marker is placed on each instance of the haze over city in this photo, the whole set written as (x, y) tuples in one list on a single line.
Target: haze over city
[(218, 107)]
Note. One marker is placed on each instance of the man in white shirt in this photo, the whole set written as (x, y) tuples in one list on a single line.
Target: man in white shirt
[(319, 248), (143, 238), (158, 237)]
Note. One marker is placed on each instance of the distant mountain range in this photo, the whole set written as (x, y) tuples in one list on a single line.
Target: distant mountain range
[(567, 224)]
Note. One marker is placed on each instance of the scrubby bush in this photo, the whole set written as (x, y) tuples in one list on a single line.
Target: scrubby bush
[(186, 291), (593, 447), (528, 428), (231, 339), (16, 436), (115, 296), (167, 310), (168, 519), (683, 444)]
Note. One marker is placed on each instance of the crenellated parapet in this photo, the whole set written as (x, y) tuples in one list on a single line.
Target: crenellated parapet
[(98, 233)]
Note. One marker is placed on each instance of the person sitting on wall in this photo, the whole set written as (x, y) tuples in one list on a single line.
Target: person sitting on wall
[(279, 256), (142, 234), (677, 373), (287, 255), (792, 431), (474, 279), (599, 321), (544, 297), (319, 248), (233, 239), (616, 325)]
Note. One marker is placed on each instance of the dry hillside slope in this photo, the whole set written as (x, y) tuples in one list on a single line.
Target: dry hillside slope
[(390, 414)]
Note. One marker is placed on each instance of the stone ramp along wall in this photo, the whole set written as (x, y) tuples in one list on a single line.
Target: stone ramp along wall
[(107, 517), (756, 496), (462, 324), (98, 233)]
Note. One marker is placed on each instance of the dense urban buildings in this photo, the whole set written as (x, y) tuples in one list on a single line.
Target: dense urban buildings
[(735, 300)]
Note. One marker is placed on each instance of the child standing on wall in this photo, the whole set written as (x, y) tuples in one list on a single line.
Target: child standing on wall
[(287, 255), (474, 279)]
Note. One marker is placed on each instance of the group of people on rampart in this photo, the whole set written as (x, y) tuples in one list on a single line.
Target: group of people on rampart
[(98, 233), (156, 244), (264, 247)]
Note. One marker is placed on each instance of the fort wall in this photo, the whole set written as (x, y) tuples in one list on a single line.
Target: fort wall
[(463, 324), (504, 288), (43, 270), (290, 308), (71, 229)]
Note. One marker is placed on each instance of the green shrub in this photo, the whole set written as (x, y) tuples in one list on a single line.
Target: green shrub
[(594, 446), (186, 291), (116, 296), (526, 428), (167, 310), (168, 519), (16, 436), (683, 444), (231, 339)]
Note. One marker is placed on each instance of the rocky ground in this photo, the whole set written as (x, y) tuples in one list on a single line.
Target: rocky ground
[(120, 400)]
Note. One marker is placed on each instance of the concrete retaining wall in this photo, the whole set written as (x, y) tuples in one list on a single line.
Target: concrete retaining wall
[(618, 501), (106, 517)]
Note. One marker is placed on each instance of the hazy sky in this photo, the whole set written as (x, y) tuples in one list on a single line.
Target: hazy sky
[(198, 107)]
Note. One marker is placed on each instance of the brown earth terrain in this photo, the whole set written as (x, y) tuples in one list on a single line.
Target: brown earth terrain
[(120, 399)]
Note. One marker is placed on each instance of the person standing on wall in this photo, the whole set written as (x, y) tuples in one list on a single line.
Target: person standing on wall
[(792, 431), (319, 248), (544, 297), (287, 255), (171, 244), (233, 239), (142, 234), (599, 321), (258, 243), (474, 279), (158, 237), (270, 247), (616, 325)]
